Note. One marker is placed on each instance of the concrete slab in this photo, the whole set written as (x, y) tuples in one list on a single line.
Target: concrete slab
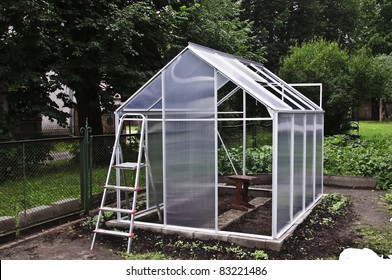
[(182, 233), (350, 181), (36, 215), (7, 223), (250, 242), (202, 235), (66, 206)]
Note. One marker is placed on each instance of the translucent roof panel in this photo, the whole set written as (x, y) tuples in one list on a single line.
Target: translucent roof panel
[(294, 95), (239, 74), (147, 97), (255, 79)]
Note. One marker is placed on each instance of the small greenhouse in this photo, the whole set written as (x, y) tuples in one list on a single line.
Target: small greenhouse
[(202, 106)]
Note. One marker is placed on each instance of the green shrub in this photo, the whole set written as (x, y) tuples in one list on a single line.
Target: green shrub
[(258, 160), (359, 157)]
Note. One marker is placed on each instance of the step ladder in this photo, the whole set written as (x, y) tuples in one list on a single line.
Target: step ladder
[(117, 164)]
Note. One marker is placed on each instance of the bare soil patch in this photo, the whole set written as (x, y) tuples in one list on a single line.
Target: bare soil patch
[(72, 240)]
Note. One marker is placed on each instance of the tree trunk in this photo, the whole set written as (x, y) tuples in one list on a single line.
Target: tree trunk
[(88, 106)]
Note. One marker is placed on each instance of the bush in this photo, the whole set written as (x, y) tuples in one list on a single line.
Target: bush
[(258, 160), (370, 157)]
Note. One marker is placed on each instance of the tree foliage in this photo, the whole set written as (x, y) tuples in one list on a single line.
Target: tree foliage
[(321, 61), (279, 24), (385, 69), (375, 26), (98, 48), (26, 54), (217, 24), (105, 47), (347, 78)]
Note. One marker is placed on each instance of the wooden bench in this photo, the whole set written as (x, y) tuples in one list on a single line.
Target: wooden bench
[(241, 201)]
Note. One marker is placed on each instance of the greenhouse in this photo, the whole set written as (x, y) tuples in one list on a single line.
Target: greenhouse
[(215, 121)]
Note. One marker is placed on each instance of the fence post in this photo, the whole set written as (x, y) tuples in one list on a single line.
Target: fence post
[(86, 168)]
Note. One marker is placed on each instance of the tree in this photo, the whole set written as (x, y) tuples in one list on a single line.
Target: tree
[(325, 62), (98, 48), (279, 24), (216, 24), (367, 77), (26, 55), (375, 27), (105, 47), (385, 69)]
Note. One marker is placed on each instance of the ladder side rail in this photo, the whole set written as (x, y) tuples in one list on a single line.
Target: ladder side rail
[(135, 193), (117, 137)]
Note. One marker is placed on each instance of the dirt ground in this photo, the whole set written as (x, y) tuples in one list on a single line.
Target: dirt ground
[(71, 241)]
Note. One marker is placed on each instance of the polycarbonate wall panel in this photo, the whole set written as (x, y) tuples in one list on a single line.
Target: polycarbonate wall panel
[(189, 145), (190, 174), (309, 159), (283, 188), (319, 153), (148, 96), (156, 162), (299, 178), (189, 88)]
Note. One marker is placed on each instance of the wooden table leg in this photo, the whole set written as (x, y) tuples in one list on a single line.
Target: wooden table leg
[(245, 199), (237, 204)]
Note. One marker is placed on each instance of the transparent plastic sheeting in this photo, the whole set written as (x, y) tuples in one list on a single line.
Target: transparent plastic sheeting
[(241, 76), (148, 96), (156, 162), (310, 172), (189, 89), (283, 188), (299, 174), (189, 145), (299, 180), (319, 153), (190, 174)]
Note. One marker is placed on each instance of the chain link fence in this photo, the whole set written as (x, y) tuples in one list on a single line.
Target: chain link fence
[(39, 181), (47, 179)]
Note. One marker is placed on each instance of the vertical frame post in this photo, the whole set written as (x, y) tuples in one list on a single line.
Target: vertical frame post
[(274, 173), (86, 168), (244, 132)]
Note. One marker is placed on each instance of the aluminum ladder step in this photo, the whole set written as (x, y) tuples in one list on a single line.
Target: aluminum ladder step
[(115, 233), (122, 188), (128, 165), (120, 210)]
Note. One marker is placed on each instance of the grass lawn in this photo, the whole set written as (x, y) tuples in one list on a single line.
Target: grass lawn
[(50, 187), (369, 129)]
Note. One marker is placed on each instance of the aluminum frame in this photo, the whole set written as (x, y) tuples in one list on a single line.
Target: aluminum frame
[(256, 85)]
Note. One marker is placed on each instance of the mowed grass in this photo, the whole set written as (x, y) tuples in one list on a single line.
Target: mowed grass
[(27, 193), (46, 189), (369, 129)]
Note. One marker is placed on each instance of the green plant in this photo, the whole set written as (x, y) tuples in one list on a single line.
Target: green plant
[(259, 255), (258, 160), (370, 157), (377, 239), (145, 256), (238, 251), (159, 244), (388, 199), (90, 222)]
